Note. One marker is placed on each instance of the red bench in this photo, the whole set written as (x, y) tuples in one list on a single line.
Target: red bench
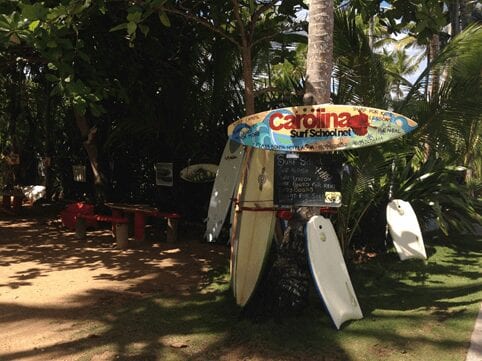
[(119, 226)]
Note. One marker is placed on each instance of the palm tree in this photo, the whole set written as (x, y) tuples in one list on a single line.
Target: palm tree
[(400, 65), (319, 60), (285, 288)]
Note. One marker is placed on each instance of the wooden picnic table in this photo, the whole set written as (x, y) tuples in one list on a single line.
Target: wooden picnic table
[(141, 212)]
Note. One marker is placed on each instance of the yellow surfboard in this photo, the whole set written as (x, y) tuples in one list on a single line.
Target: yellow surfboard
[(319, 128), (254, 225)]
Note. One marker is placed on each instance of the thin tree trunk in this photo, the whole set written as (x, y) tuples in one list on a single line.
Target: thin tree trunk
[(454, 13), (371, 31), (464, 14), (435, 73), (248, 79), (88, 135)]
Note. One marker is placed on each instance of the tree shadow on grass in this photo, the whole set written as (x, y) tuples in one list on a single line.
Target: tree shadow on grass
[(450, 274)]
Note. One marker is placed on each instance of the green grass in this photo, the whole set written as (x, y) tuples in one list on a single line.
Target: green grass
[(413, 310)]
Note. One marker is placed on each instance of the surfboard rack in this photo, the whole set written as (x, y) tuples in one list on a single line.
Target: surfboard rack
[(258, 209), (328, 210)]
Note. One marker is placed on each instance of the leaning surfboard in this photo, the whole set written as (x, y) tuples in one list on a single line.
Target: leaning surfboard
[(405, 230), (319, 128), (227, 179), (255, 225), (329, 271)]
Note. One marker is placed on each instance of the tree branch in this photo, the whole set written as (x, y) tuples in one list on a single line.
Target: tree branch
[(203, 22), (263, 38), (237, 15), (257, 14), (277, 90)]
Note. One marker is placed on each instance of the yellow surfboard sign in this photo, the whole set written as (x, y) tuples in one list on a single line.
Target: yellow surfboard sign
[(319, 128)]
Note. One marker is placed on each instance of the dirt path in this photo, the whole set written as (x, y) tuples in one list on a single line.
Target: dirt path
[(50, 283)]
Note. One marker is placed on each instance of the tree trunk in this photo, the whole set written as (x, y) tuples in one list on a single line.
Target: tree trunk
[(88, 135), (464, 14), (319, 61), (434, 83), (454, 14), (285, 288), (371, 31), (248, 79)]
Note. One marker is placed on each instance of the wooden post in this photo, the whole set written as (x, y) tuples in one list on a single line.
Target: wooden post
[(139, 225), (121, 235), (117, 214), (17, 203), (171, 232), (80, 228), (6, 201)]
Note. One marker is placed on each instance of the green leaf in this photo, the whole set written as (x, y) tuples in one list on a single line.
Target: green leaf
[(34, 12), (102, 8), (158, 2), (51, 77), (33, 25), (119, 27), (131, 27), (96, 109), (83, 56), (252, 7), (144, 29), (421, 25), (55, 90), (164, 19), (51, 44), (134, 17)]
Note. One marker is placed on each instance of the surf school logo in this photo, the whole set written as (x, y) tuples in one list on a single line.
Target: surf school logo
[(319, 123), (319, 128)]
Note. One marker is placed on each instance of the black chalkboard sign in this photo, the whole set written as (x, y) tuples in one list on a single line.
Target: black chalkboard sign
[(307, 179)]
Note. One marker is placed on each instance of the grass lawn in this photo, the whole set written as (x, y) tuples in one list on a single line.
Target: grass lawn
[(413, 310)]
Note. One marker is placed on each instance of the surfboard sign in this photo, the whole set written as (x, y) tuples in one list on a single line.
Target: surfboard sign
[(199, 173), (319, 128)]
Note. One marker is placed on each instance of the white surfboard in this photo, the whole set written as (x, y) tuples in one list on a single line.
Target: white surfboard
[(405, 230), (255, 225), (227, 179), (329, 271)]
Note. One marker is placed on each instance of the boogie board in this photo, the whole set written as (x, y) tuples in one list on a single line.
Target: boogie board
[(255, 225), (227, 179), (329, 271), (319, 128), (405, 230), (199, 173)]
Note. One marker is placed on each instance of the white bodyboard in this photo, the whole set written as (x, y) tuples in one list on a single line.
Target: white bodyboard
[(405, 230), (330, 273), (227, 179)]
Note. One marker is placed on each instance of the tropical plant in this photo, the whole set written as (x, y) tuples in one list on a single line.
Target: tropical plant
[(430, 163)]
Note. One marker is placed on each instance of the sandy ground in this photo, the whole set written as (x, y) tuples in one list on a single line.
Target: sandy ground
[(49, 281)]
